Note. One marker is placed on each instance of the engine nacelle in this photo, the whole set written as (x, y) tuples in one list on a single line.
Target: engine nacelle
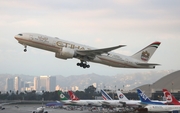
[(65, 53)]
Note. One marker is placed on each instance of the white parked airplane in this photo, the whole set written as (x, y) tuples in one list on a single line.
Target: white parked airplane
[(40, 110), (77, 101), (163, 108), (109, 101), (124, 100), (66, 49)]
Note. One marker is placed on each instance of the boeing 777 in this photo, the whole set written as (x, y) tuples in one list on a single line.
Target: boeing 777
[(66, 50)]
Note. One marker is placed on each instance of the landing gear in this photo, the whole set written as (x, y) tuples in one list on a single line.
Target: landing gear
[(83, 64), (25, 48)]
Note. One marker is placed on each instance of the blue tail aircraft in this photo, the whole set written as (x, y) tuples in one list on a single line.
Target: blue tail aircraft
[(145, 100)]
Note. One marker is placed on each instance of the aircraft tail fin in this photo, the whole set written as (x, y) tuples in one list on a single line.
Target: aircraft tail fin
[(121, 96), (142, 96), (170, 98), (145, 54), (105, 96), (72, 96), (62, 96)]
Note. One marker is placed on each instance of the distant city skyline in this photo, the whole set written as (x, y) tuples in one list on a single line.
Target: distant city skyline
[(40, 83), (81, 82)]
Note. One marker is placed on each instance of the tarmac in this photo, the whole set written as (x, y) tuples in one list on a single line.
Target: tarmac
[(29, 108)]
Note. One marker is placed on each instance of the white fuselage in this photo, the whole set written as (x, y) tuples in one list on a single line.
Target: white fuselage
[(162, 108), (114, 103), (87, 102), (56, 45), (40, 110)]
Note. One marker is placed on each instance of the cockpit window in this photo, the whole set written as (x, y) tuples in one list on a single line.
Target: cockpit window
[(20, 34)]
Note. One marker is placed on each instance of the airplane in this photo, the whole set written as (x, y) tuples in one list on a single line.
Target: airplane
[(66, 50), (170, 98), (105, 96), (77, 101), (163, 108), (145, 100), (130, 103), (109, 101), (54, 104), (40, 109), (64, 99)]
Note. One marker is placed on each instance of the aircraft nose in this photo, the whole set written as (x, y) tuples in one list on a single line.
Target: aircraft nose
[(18, 36)]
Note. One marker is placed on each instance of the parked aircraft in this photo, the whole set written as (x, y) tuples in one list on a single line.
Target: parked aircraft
[(77, 101), (63, 99), (145, 100), (40, 109), (130, 103), (109, 101), (66, 50), (105, 96), (163, 108), (170, 98), (54, 104)]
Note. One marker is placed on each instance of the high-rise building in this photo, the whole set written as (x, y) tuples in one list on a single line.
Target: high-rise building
[(9, 84), (51, 85), (17, 84), (46, 83), (37, 83)]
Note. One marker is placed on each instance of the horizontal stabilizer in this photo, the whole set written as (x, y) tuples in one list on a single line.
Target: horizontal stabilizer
[(147, 64)]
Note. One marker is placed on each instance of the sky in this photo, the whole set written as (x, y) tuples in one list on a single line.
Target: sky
[(97, 23)]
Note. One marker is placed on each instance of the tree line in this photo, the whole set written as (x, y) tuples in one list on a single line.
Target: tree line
[(88, 93)]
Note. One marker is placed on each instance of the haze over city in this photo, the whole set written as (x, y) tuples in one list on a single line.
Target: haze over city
[(98, 24)]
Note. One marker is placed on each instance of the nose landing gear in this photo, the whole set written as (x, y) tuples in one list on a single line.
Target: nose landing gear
[(83, 64), (25, 48)]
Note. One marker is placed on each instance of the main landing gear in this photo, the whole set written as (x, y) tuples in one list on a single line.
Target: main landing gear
[(83, 64), (25, 48)]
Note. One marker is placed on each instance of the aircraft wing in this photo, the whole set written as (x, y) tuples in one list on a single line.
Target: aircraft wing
[(106, 103), (147, 64), (95, 52)]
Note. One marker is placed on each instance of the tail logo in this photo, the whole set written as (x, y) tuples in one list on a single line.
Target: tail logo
[(143, 96), (62, 96), (145, 56), (121, 96), (168, 97), (73, 97)]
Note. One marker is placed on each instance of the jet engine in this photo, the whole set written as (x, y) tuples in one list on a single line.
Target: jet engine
[(65, 53)]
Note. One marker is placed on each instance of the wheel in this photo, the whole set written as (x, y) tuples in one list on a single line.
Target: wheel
[(81, 64), (25, 50), (78, 64), (84, 66), (88, 66)]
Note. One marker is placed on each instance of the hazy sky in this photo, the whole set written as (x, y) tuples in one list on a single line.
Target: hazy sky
[(97, 23)]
